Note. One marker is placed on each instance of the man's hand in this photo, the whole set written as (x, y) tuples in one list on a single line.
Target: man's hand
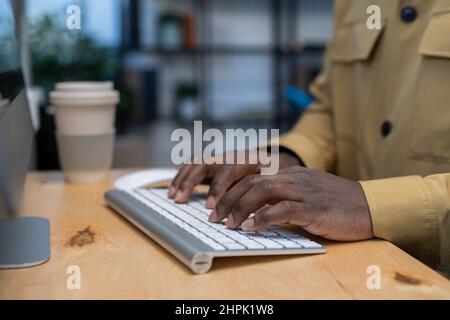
[(220, 176), (320, 203)]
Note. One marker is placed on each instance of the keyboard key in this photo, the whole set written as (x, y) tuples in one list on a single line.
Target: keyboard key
[(225, 240), (311, 245), (161, 192), (215, 235), (219, 227), (238, 237), (252, 244), (269, 243), (205, 228), (288, 243), (234, 246), (216, 246), (199, 207)]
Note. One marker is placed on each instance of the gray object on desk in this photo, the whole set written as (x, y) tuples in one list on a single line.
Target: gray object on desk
[(24, 242)]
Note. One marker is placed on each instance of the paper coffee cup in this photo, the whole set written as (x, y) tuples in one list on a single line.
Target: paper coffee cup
[(85, 115)]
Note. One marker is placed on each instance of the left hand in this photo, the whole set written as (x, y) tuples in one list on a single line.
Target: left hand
[(322, 204)]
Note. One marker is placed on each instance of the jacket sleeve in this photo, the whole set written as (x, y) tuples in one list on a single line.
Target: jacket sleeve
[(312, 138), (414, 214)]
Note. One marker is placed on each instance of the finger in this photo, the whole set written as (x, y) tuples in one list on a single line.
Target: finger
[(282, 212), (268, 191), (227, 201), (225, 177), (193, 178), (173, 188)]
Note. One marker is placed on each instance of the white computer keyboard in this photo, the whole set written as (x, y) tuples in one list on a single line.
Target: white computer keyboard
[(193, 218)]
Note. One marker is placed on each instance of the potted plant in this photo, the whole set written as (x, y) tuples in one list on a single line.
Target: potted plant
[(187, 107)]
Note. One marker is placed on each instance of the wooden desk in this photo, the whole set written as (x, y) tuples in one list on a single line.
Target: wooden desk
[(121, 262)]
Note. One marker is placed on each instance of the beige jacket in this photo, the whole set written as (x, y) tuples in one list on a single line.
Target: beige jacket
[(382, 116)]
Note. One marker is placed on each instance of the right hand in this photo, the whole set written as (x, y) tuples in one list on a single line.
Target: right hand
[(221, 177)]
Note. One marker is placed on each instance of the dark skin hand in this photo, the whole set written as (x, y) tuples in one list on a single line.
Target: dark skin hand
[(320, 203), (221, 177)]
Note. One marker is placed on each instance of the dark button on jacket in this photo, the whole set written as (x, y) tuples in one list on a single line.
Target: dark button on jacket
[(386, 128), (408, 14)]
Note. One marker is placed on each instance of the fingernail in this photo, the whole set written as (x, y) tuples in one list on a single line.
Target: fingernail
[(178, 196), (210, 202), (213, 216), (248, 224), (172, 191)]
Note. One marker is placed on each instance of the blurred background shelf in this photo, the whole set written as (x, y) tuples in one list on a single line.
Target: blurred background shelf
[(268, 30)]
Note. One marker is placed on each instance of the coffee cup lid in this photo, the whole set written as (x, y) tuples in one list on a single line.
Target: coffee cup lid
[(70, 98), (84, 86)]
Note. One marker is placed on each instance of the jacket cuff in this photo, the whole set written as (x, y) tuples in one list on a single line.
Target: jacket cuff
[(304, 149), (403, 212)]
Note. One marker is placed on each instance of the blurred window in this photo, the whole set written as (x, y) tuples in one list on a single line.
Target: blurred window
[(100, 19)]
